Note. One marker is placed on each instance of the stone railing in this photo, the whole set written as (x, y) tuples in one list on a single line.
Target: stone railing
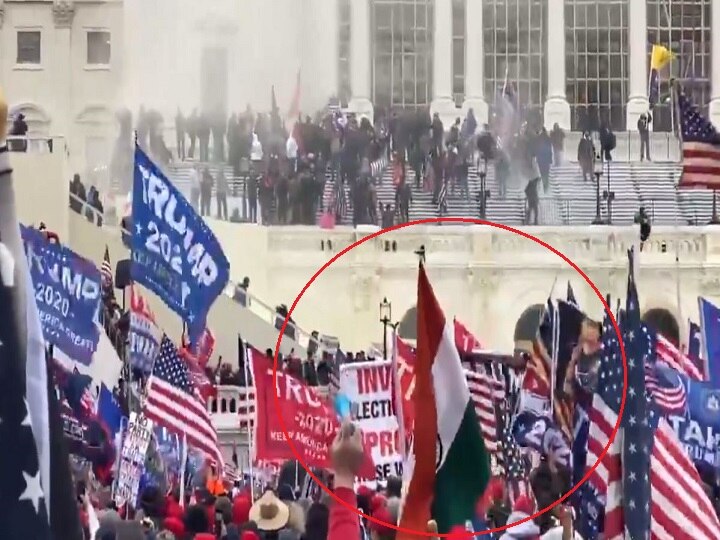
[(453, 244), (233, 408)]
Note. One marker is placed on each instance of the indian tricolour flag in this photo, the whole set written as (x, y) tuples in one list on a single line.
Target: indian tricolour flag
[(447, 467)]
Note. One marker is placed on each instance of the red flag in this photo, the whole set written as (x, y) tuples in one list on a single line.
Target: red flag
[(310, 422), (465, 340)]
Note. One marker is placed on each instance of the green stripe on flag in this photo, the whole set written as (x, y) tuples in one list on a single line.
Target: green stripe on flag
[(461, 480)]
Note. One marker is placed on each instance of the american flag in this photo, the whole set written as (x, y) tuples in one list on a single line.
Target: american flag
[(674, 358), (486, 391), (174, 403), (341, 206), (646, 483), (24, 514), (602, 492), (442, 199), (106, 273), (666, 387), (701, 148), (513, 465)]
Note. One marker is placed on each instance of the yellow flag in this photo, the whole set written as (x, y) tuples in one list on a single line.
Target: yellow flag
[(660, 57)]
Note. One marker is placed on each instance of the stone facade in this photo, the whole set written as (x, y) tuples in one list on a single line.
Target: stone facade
[(486, 277), (267, 43)]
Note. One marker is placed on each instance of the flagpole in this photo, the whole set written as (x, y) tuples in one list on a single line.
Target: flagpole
[(251, 421), (397, 397), (183, 466)]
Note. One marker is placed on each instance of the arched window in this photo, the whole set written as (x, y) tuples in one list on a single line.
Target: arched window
[(684, 27), (408, 324), (596, 62), (663, 322), (515, 49), (527, 325), (402, 52)]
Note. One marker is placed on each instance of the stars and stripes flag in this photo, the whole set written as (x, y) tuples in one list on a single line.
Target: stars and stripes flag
[(700, 148), (601, 494), (646, 485), (173, 402), (442, 198), (24, 513), (512, 464), (666, 388), (106, 273), (676, 359), (341, 203), (28, 396), (486, 392), (664, 493)]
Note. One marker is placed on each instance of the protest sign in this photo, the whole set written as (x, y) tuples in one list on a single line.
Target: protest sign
[(699, 430), (132, 458), (67, 293), (144, 333), (310, 421), (369, 387), (174, 253)]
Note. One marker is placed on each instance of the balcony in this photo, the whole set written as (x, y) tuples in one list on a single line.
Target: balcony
[(234, 407)]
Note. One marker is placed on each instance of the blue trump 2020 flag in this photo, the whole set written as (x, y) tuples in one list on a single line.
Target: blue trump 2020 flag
[(174, 253), (67, 292), (710, 324)]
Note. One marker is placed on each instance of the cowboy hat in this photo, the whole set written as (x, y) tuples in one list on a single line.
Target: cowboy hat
[(269, 512)]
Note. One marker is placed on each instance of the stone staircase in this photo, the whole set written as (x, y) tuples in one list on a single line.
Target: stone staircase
[(652, 185), (509, 209), (569, 200)]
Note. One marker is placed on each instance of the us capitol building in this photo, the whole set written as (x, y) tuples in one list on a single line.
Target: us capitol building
[(68, 65)]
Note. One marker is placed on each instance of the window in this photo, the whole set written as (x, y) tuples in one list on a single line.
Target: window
[(28, 47), (515, 52), (596, 62), (344, 31), (458, 59), (98, 48), (402, 52), (683, 26)]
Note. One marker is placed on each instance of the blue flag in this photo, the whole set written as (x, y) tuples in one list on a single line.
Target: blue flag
[(710, 323), (174, 253), (109, 412), (67, 292)]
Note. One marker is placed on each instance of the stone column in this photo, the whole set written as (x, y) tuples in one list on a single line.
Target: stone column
[(638, 62), (2, 18), (557, 108), (475, 62), (320, 55), (360, 72), (63, 15), (715, 64), (443, 102)]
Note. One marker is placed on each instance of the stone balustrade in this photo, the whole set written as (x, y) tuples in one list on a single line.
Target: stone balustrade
[(233, 408)]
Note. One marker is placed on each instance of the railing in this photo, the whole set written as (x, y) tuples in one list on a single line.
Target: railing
[(668, 210), (234, 291), (233, 408), (664, 146), (30, 144)]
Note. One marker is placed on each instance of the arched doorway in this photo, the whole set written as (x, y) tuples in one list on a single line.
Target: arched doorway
[(527, 325), (408, 324), (663, 322)]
